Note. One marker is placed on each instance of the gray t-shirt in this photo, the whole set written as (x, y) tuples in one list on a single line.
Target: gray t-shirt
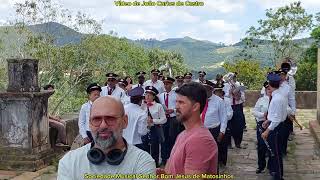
[(137, 164)]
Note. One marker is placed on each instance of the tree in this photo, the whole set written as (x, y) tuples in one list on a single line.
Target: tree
[(281, 27), (308, 81), (250, 73)]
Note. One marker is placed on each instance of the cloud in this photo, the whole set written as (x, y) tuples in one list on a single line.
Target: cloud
[(225, 6), (223, 26), (141, 34), (309, 4)]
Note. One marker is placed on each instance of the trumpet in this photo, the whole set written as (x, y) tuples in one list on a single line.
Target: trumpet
[(293, 118)]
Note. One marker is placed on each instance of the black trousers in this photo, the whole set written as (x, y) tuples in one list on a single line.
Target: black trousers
[(237, 124), (172, 129), (262, 148), (151, 144), (222, 145), (287, 129), (276, 162)]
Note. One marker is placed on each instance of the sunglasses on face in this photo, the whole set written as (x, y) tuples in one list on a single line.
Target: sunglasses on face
[(110, 121)]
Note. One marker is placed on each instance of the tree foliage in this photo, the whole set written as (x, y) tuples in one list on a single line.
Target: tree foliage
[(73, 66), (280, 27), (250, 73)]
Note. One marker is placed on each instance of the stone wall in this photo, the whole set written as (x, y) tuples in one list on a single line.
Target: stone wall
[(304, 99)]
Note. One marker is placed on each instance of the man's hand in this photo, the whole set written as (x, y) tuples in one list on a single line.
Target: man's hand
[(86, 140), (265, 124), (220, 137), (265, 134), (292, 117), (160, 171), (265, 116), (149, 121)]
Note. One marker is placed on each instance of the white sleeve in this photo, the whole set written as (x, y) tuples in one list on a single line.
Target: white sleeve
[(229, 111), (161, 115), (145, 164), (82, 122), (257, 111), (223, 116), (292, 100), (274, 114), (142, 124), (64, 171)]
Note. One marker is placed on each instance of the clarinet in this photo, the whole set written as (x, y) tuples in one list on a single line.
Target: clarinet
[(149, 133), (265, 141)]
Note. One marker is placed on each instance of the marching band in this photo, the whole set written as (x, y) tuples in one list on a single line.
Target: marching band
[(153, 127)]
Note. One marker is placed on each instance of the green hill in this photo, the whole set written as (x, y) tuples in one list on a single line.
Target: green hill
[(197, 54)]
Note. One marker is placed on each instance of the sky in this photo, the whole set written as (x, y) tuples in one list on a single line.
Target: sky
[(223, 21)]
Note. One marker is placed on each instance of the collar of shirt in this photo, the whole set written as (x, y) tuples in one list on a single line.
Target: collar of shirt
[(277, 91)]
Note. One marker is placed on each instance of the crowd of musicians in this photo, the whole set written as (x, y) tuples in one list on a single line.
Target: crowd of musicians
[(153, 127)]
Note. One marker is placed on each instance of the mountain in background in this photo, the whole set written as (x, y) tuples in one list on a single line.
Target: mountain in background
[(198, 55)]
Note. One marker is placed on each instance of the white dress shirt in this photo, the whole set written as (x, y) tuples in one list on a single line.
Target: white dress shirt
[(157, 113), (117, 92), (292, 82), (229, 110), (137, 123), (277, 111), (158, 85), (75, 165), (260, 108), (125, 100), (226, 90), (216, 114), (289, 93), (84, 117), (171, 101)]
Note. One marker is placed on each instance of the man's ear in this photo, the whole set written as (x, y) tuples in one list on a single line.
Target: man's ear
[(125, 121), (196, 107)]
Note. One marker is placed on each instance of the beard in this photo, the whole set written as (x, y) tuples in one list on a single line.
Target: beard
[(182, 117), (105, 143)]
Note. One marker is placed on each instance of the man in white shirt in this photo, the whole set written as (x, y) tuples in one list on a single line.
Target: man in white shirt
[(93, 91), (237, 123), (141, 79), (214, 117), (202, 75), (277, 113), (122, 83), (137, 118), (154, 81), (289, 93), (260, 112), (172, 127), (188, 77), (109, 154), (218, 91), (112, 89), (179, 82)]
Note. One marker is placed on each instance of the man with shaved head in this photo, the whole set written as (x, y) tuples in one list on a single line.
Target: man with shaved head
[(109, 152)]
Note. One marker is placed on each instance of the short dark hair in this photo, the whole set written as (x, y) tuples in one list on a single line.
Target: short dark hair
[(195, 92), (274, 84), (46, 87), (136, 99)]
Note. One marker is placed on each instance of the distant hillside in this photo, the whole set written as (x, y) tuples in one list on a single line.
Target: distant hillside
[(62, 34), (197, 54)]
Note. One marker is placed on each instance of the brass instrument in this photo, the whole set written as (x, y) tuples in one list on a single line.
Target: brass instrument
[(236, 89)]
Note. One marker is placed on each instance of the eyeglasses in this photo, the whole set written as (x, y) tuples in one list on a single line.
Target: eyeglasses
[(110, 121)]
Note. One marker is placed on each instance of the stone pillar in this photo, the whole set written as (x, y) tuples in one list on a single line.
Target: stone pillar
[(24, 125), (23, 75), (318, 86)]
